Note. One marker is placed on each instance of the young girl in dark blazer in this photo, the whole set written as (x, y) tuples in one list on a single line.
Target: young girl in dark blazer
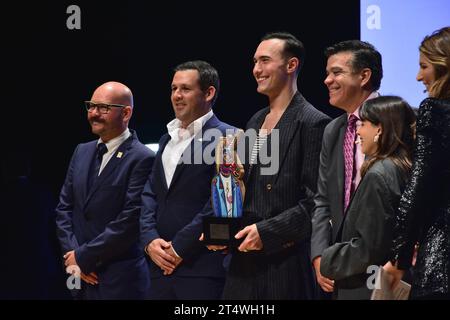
[(386, 134)]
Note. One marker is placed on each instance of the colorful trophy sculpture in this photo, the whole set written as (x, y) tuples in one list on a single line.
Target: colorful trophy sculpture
[(227, 195)]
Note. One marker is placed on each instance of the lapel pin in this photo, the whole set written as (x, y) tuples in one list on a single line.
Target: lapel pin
[(119, 154)]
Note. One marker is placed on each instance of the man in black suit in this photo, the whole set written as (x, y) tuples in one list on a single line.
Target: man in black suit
[(354, 73), (178, 193), (272, 262)]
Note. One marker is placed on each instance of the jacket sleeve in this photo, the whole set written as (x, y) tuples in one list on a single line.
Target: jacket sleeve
[(120, 233), (321, 215), (64, 210), (148, 229)]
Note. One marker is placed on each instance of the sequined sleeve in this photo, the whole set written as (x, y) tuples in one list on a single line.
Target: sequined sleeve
[(411, 214)]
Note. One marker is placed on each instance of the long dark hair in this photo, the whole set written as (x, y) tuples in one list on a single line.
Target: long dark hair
[(397, 120)]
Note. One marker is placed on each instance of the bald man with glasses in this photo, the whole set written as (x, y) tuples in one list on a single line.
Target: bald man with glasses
[(100, 202)]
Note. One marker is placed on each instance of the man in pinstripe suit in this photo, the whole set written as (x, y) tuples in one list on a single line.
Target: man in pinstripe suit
[(272, 261)]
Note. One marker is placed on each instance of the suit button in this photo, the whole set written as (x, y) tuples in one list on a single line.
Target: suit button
[(269, 187)]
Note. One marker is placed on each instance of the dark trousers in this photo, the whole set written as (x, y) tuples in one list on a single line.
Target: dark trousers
[(186, 288)]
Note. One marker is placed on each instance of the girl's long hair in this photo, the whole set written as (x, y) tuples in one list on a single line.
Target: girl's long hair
[(397, 120)]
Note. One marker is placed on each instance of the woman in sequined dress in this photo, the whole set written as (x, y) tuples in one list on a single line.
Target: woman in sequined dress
[(424, 211)]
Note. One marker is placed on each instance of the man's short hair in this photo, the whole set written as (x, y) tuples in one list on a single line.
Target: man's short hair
[(207, 75), (364, 56), (292, 46)]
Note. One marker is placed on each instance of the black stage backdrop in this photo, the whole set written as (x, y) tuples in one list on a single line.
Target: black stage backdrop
[(49, 70)]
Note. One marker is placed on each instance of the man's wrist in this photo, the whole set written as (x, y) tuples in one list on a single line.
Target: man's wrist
[(173, 249), (316, 262)]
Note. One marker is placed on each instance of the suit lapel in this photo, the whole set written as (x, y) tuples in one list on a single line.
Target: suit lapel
[(255, 125), (340, 174), (287, 125), (159, 163), (180, 167), (195, 148), (118, 156), (85, 168), (340, 165)]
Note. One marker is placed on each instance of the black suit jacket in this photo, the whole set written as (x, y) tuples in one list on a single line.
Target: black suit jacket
[(282, 202), (365, 236)]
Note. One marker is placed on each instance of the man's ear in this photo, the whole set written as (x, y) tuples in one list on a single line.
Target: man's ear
[(210, 93), (293, 64), (365, 75), (127, 113)]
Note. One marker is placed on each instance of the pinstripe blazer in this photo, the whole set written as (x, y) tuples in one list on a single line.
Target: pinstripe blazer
[(281, 203)]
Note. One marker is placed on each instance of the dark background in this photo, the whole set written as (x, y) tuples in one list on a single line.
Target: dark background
[(49, 70)]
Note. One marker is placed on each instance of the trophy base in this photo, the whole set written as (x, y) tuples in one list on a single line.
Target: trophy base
[(221, 231)]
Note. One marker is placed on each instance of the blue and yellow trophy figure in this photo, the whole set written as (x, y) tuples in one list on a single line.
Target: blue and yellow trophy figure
[(227, 195), (227, 187)]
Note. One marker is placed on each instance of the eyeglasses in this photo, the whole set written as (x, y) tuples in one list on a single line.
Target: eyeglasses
[(101, 107)]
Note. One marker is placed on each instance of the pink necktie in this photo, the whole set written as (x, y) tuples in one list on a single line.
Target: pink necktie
[(349, 157)]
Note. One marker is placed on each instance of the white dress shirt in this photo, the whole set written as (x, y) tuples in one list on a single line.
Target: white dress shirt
[(112, 146), (180, 140)]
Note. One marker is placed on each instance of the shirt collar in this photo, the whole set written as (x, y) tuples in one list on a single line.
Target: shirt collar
[(176, 132), (373, 95), (117, 141)]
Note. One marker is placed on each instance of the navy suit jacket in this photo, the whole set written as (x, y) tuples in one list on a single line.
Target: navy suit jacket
[(102, 224), (175, 213)]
